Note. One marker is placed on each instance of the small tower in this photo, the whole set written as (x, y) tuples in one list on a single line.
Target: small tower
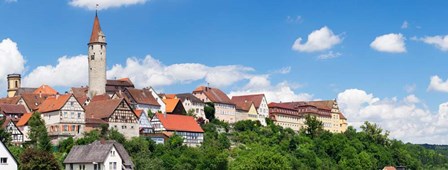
[(97, 60), (14, 82)]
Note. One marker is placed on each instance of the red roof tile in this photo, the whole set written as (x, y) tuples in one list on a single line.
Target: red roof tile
[(33, 101), (54, 103), (102, 108), (100, 97), (138, 112), (10, 100), (180, 123), (215, 95), (171, 104), (45, 89), (255, 98), (96, 30), (24, 119), (142, 96)]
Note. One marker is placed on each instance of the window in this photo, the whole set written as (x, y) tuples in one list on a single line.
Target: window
[(65, 114), (3, 160), (73, 115), (17, 84), (73, 127), (110, 165), (92, 57), (79, 115), (65, 128), (115, 166)]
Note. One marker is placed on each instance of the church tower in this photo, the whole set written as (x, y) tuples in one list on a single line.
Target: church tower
[(13, 84), (97, 60)]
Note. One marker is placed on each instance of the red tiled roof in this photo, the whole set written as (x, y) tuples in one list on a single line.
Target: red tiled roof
[(96, 30), (188, 96), (280, 105), (242, 104), (24, 119), (12, 108), (142, 96), (170, 96), (100, 97), (54, 103), (102, 108), (138, 112), (45, 89), (33, 101), (10, 100), (255, 98), (215, 95), (95, 121), (171, 104), (180, 123)]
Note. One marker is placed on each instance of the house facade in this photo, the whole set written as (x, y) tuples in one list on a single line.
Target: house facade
[(23, 126), (142, 99), (192, 104), (292, 114), (7, 160), (117, 113), (144, 123), (224, 108), (184, 126), (64, 117), (99, 155), (16, 134), (260, 103)]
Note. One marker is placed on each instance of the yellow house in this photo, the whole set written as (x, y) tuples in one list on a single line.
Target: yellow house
[(245, 110)]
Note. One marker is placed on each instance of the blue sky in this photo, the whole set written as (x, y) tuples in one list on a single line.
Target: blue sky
[(249, 40)]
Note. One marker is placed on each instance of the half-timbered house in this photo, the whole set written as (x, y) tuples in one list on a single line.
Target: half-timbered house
[(11, 128), (64, 117), (117, 113)]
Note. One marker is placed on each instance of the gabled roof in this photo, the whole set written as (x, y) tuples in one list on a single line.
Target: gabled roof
[(24, 90), (102, 108), (54, 103), (15, 160), (142, 96), (280, 105), (24, 119), (97, 152), (33, 101), (100, 97), (243, 105), (12, 108), (255, 98), (45, 89), (138, 112), (182, 123), (10, 100), (188, 96), (171, 104), (214, 95), (88, 153)]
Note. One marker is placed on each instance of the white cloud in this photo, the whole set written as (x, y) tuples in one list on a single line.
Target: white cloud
[(318, 40), (437, 84), (104, 4), (69, 71), (284, 70), (440, 42), (329, 55), (406, 119), (282, 91), (151, 72), (404, 25), (410, 88), (392, 43), (11, 61)]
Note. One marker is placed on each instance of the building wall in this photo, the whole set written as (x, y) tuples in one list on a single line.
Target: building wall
[(69, 121), (124, 121), (201, 96), (192, 139), (16, 134), (198, 108), (263, 111), (145, 107), (225, 112), (159, 100), (11, 163), (13, 85), (97, 69), (113, 156), (289, 121)]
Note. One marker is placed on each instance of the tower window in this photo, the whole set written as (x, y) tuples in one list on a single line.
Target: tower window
[(92, 57), (17, 84)]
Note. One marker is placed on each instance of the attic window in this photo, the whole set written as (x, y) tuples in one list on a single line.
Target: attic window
[(3, 160)]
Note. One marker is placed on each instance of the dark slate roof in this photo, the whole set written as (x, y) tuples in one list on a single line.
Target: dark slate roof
[(97, 152), (24, 90), (12, 108), (88, 153), (189, 96)]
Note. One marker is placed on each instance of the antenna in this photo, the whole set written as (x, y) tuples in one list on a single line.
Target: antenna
[(96, 10)]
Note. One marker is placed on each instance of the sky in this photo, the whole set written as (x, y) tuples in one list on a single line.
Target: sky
[(383, 61)]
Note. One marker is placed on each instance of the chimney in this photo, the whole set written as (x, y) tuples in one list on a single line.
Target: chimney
[(103, 141)]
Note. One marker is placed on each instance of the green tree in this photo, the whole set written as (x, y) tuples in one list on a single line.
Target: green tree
[(313, 127), (209, 110), (117, 136), (150, 114), (32, 159), (66, 145), (375, 133), (5, 136), (38, 133)]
